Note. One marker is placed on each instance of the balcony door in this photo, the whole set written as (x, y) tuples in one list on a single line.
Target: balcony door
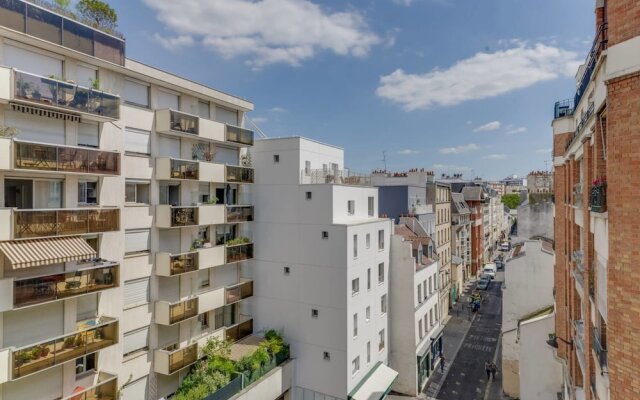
[(32, 194), (170, 194)]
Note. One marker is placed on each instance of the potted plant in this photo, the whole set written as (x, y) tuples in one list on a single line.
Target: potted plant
[(208, 156), (79, 341), (22, 358), (22, 87), (45, 350), (69, 342), (9, 132), (36, 95)]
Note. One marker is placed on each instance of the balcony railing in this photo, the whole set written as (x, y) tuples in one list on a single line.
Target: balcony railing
[(44, 223), (577, 194), (182, 122), (240, 291), (601, 352), (47, 288), (564, 108), (94, 335), (65, 30), (182, 169), (599, 44), (240, 330), (184, 216), (64, 96), (239, 214), (169, 362), (578, 258), (239, 252), (235, 174), (182, 311), (105, 388), (183, 263), (46, 157), (598, 198), (239, 135), (334, 176)]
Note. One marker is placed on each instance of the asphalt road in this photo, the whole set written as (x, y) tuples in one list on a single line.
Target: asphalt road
[(467, 379)]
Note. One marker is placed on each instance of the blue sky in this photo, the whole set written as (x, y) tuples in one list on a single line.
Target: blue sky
[(451, 85)]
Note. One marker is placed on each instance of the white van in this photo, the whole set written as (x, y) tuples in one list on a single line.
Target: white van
[(505, 246), (489, 270)]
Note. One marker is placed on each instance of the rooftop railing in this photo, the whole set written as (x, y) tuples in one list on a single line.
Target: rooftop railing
[(599, 44), (46, 157), (564, 108), (334, 176)]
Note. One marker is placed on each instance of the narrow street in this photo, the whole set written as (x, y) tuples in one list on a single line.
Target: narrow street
[(466, 377)]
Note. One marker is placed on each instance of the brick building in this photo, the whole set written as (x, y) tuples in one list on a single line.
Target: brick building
[(597, 232)]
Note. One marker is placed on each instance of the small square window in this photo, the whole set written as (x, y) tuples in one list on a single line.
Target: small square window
[(325, 234), (276, 158), (307, 195), (287, 270), (314, 313), (355, 286), (351, 207), (367, 314), (326, 356), (368, 240)]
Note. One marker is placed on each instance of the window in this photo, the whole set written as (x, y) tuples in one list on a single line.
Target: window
[(307, 168), (307, 195), (137, 241), (355, 286), (381, 239), (85, 364), (435, 313), (424, 288), (325, 234), (430, 317), (368, 352), (168, 99), (204, 320), (381, 339), (367, 314), (355, 246), (87, 192), (203, 109), (355, 364), (351, 207), (370, 204), (326, 356), (136, 93), (287, 270), (383, 304), (136, 192), (135, 341), (380, 272), (368, 278), (203, 278), (367, 240), (88, 135), (314, 313), (420, 328), (419, 294), (426, 327), (276, 158), (136, 292), (355, 325), (137, 141)]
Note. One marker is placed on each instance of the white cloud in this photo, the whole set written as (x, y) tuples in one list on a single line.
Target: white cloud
[(544, 150), (480, 76), (174, 42), (451, 168), (491, 126), (403, 2), (522, 129), (495, 157), (464, 148), (469, 122), (408, 152), (277, 109), (266, 32)]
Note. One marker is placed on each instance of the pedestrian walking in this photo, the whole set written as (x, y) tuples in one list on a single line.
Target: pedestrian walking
[(487, 369), (493, 369), (441, 363)]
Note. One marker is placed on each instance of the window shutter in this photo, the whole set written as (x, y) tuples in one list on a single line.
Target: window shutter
[(136, 390), (168, 100), (88, 135), (136, 292), (36, 129), (30, 61), (137, 141), (84, 75), (135, 340), (137, 241), (136, 93), (226, 116)]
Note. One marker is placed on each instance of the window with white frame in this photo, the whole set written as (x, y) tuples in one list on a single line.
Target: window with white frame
[(368, 278), (137, 141), (136, 292), (424, 289), (307, 168), (383, 304), (381, 273), (381, 239), (351, 207), (87, 192), (367, 313), (355, 364), (368, 352), (88, 135), (137, 241), (355, 325), (355, 246), (435, 314), (420, 332), (426, 327), (381, 340), (430, 317), (203, 319), (370, 205), (367, 240), (355, 286), (135, 341), (136, 93), (419, 293), (136, 192)]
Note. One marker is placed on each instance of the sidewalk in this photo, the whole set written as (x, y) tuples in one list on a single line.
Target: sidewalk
[(455, 331), (494, 389)]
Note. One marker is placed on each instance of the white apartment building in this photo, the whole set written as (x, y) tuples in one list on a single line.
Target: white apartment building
[(125, 220), (321, 271), (461, 236), (415, 329), (439, 194)]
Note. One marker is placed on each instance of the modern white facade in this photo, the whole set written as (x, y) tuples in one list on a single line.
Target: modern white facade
[(114, 160), (415, 328), (321, 271)]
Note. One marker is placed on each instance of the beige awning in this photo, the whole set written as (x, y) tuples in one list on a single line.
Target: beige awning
[(36, 252), (376, 384)]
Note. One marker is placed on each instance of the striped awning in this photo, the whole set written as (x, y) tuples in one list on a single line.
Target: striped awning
[(36, 252)]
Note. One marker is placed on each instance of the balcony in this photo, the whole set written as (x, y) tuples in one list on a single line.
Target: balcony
[(28, 223), (239, 135), (599, 45), (241, 330), (238, 252), (175, 217), (179, 123), (237, 214), (52, 287), (90, 336), (334, 176), (52, 94), (599, 349), (167, 362), (578, 339), (190, 170), (63, 28), (176, 264), (577, 275), (238, 292), (235, 174), (173, 313), (577, 195), (99, 386), (564, 108), (598, 198)]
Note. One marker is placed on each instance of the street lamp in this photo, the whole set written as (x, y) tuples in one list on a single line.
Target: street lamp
[(553, 342)]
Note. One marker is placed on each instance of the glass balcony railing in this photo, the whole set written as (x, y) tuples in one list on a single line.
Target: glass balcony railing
[(181, 122), (64, 95), (564, 108), (182, 311), (44, 223), (45, 157), (105, 388), (239, 135), (92, 335), (181, 358), (236, 174), (183, 263), (240, 330), (239, 252), (239, 214), (52, 287), (66, 30), (598, 347), (183, 169), (234, 294), (184, 216)]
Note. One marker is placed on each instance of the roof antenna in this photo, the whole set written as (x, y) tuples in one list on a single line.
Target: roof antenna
[(384, 159)]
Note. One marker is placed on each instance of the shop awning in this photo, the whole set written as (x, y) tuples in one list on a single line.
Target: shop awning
[(36, 252), (375, 385)]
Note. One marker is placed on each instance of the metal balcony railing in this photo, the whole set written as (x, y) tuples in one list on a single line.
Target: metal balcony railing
[(239, 214), (46, 157), (239, 252), (598, 198), (182, 122), (183, 169), (181, 358), (564, 108), (599, 44), (184, 216), (44, 223)]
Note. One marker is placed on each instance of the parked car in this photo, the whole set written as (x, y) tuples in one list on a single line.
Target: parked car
[(499, 265), (483, 284), (489, 270), (505, 246)]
